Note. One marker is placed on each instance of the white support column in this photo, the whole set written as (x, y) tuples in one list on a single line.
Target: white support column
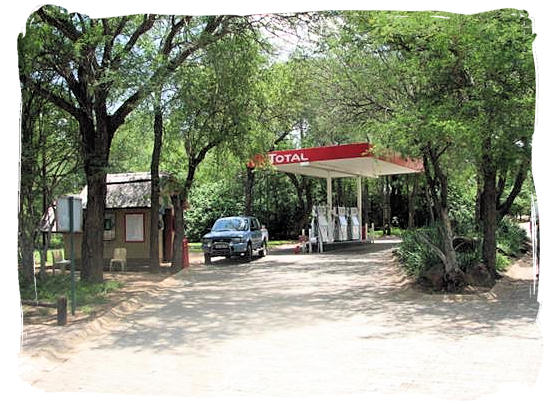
[(329, 194), (329, 209), (360, 207)]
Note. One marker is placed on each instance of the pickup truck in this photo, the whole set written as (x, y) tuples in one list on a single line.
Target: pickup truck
[(235, 236)]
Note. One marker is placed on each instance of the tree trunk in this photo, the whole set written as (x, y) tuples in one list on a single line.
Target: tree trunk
[(178, 202), (429, 204), (504, 207), (479, 202), (489, 244), (154, 263), (46, 237), (339, 192), (411, 202), (451, 264), (303, 189), (306, 204), (437, 185), (309, 201), (248, 189), (97, 137), (92, 239), (26, 249), (45, 242), (386, 206)]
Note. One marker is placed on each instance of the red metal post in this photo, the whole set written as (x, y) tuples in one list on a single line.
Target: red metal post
[(185, 253)]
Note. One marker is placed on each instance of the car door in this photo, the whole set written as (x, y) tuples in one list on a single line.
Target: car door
[(256, 233)]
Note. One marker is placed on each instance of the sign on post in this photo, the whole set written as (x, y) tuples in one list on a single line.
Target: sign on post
[(68, 215), (63, 217)]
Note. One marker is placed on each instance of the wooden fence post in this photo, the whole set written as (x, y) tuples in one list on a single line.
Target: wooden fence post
[(61, 310)]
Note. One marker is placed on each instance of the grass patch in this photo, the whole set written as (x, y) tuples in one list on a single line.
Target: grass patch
[(49, 256), (395, 231), (196, 247), (87, 294), (275, 243)]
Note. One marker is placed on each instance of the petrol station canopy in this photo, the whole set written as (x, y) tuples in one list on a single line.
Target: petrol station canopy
[(348, 160)]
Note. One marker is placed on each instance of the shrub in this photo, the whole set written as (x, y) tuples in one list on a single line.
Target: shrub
[(510, 238), (56, 242), (502, 262), (415, 255), (468, 260)]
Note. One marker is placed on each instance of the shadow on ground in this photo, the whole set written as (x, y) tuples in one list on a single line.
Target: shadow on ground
[(211, 304)]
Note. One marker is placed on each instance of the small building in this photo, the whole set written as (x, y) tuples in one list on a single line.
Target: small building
[(127, 220)]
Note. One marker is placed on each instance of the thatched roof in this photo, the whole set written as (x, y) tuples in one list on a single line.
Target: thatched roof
[(126, 190)]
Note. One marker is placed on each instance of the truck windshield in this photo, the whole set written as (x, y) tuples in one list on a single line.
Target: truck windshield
[(229, 224)]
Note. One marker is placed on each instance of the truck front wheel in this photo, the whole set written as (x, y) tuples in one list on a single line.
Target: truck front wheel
[(248, 255)]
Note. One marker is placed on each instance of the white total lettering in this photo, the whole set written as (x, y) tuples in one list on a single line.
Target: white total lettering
[(287, 158), (294, 158)]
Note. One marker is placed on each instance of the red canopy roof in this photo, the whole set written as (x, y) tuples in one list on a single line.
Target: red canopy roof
[(348, 160)]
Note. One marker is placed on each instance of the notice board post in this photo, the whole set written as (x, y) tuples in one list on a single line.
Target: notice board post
[(69, 220)]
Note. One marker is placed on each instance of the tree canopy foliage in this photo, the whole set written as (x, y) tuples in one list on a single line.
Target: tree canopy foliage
[(198, 97)]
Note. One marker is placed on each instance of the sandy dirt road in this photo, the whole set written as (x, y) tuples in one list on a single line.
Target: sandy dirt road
[(294, 325)]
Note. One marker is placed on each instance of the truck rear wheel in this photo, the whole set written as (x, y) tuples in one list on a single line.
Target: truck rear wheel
[(263, 251)]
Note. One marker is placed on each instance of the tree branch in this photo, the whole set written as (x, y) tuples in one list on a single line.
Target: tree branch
[(64, 26), (504, 208), (146, 25), (434, 248)]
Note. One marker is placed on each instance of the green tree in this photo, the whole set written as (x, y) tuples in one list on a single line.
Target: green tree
[(452, 89), (500, 108), (99, 75), (49, 164), (212, 107)]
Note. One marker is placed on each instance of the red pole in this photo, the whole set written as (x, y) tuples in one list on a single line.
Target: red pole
[(185, 253)]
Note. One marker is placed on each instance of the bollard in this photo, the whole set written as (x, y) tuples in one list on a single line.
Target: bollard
[(185, 253), (61, 310)]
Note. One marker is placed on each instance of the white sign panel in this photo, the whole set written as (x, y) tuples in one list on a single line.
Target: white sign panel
[(134, 227), (62, 214)]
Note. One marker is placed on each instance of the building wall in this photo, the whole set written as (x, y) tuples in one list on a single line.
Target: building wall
[(134, 249)]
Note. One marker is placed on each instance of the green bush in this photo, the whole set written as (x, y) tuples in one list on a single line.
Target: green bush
[(56, 242), (209, 202), (510, 238), (502, 262), (417, 257), (413, 252), (467, 260)]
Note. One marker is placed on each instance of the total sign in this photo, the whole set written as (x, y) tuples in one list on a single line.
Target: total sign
[(287, 157), (321, 153)]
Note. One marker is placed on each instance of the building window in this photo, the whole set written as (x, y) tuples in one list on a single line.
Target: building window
[(134, 227), (109, 226)]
